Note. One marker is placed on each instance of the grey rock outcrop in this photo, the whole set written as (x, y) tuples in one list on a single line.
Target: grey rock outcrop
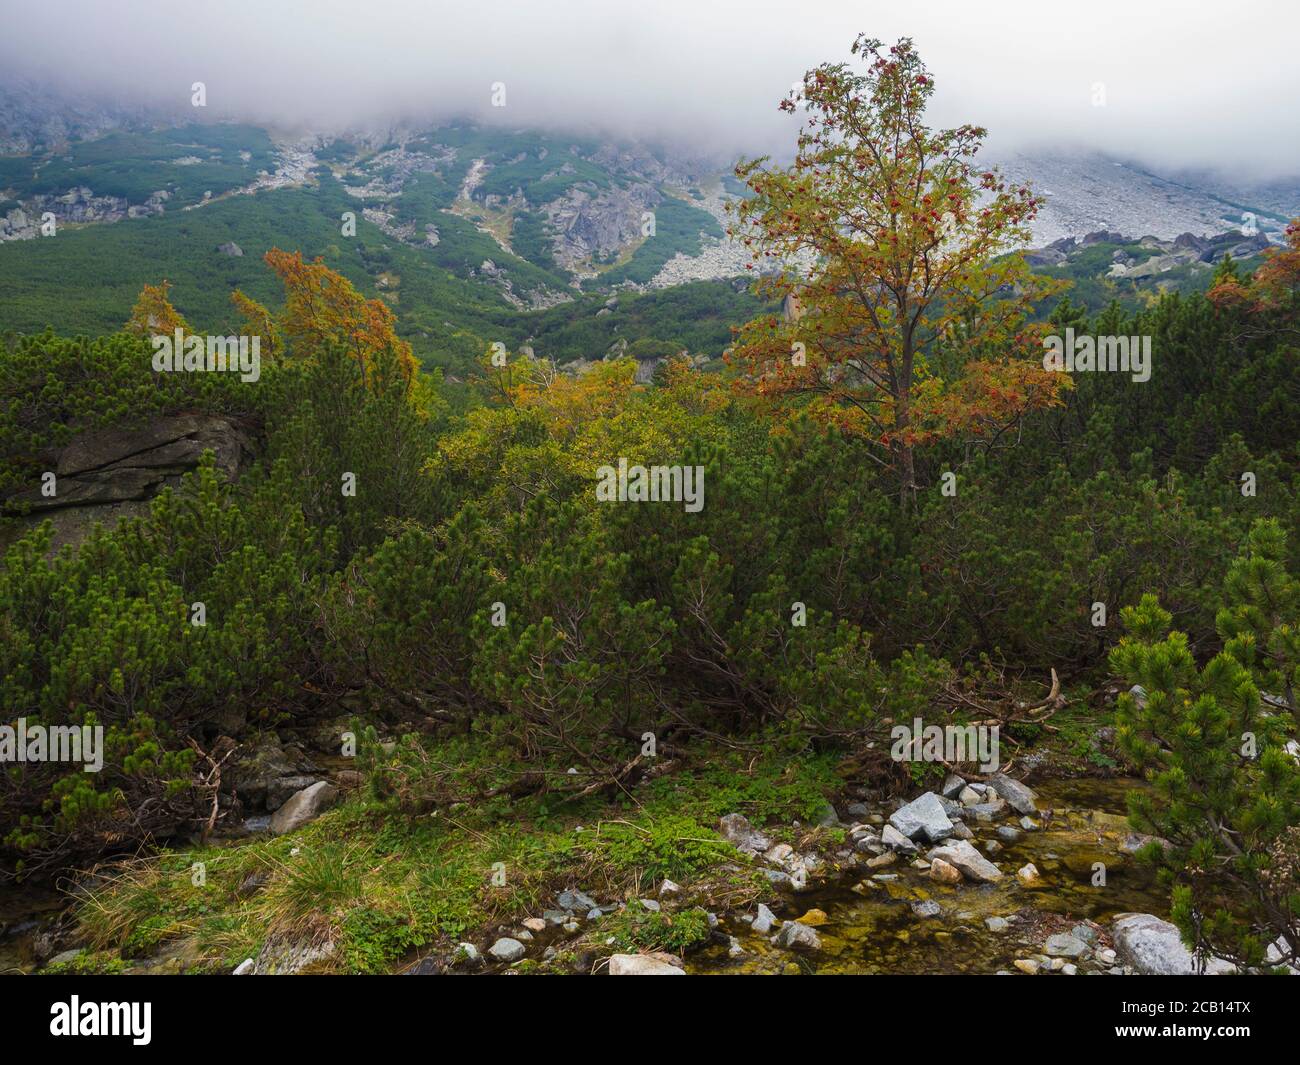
[(105, 475)]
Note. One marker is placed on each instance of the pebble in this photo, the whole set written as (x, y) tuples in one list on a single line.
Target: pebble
[(1028, 875)]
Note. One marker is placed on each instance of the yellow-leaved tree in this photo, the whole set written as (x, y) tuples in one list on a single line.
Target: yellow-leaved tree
[(906, 312)]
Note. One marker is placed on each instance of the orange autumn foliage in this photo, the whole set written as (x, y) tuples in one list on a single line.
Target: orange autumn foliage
[(153, 313), (323, 307), (258, 321), (1275, 287), (907, 312)]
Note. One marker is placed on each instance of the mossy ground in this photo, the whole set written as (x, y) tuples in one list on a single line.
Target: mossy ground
[(388, 886)]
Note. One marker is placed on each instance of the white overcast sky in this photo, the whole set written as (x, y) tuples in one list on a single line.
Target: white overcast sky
[(1195, 83)]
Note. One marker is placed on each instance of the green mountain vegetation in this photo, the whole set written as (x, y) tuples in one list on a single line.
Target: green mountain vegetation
[(384, 668)]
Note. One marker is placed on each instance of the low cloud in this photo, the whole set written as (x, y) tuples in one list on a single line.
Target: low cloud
[(1182, 85)]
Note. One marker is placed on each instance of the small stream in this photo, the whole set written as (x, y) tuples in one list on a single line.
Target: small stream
[(23, 913), (870, 926), (876, 932)]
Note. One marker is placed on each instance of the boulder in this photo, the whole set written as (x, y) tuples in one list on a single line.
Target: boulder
[(507, 950), (306, 805), (952, 786), (575, 900), (796, 936), (1154, 947), (265, 773), (1016, 795), (968, 860), (895, 840), (764, 919), (642, 965), (923, 817)]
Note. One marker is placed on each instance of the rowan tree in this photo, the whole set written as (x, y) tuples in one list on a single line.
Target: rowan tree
[(893, 255)]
